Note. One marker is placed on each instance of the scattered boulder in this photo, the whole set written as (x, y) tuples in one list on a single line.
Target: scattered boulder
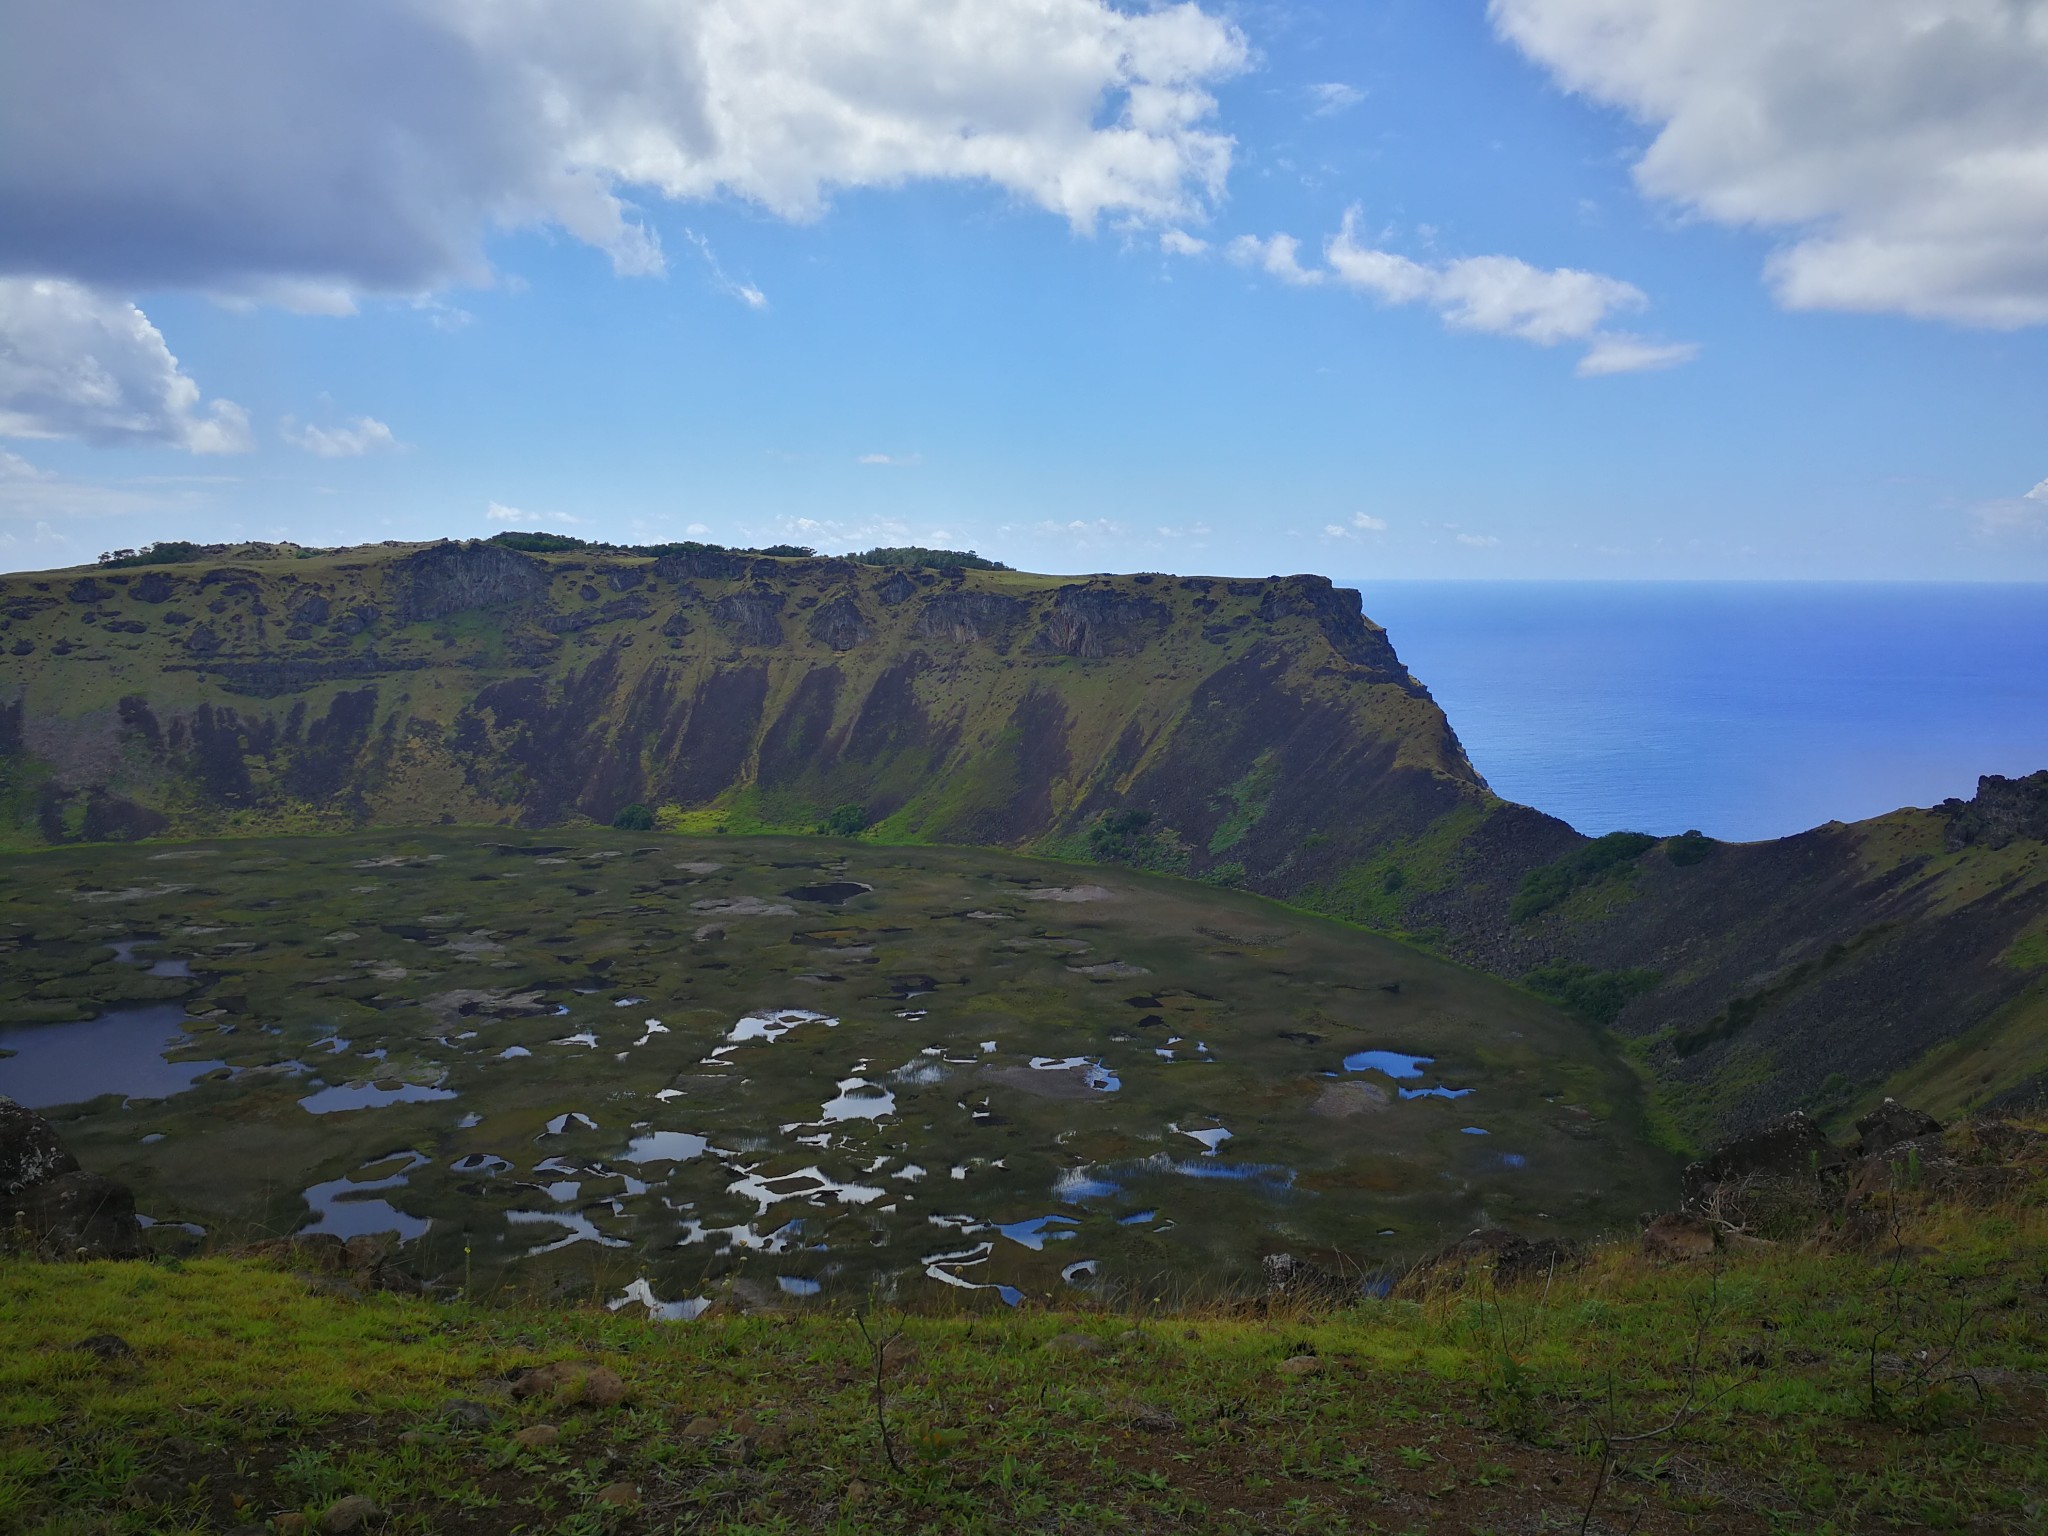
[(572, 1381), (621, 1496), (1785, 1169), (1297, 1280), (537, 1437), (81, 1215), (1299, 1365), (31, 1152), (462, 1413), (1340, 1101), (349, 1514), (1150, 1418), (1892, 1125), (1677, 1236), (107, 1347), (1074, 1344)]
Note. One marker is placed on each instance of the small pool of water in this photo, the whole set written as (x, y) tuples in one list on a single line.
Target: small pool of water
[(1038, 1231), (797, 1285), (123, 1051), (664, 1147), (859, 1099), (344, 1097), (1390, 1063), (831, 892), (351, 1207)]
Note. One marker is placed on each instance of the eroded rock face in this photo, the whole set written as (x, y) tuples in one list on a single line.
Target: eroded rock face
[(1098, 621), (452, 578), (840, 624), (2002, 809), (752, 617), (965, 617), (31, 1152), (81, 1215)]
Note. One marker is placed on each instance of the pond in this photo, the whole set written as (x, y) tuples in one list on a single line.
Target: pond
[(124, 1051)]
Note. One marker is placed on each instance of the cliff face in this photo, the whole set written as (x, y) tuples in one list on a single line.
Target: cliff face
[(1265, 727), (1255, 733)]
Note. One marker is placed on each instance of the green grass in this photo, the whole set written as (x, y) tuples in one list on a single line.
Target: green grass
[(1777, 1388)]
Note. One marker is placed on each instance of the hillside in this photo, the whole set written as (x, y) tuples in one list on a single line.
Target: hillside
[(1883, 1373), (1261, 734)]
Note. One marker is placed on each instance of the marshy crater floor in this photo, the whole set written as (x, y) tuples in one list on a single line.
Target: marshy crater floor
[(634, 1067)]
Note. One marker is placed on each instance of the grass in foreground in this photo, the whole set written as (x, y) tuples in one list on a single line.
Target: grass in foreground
[(1793, 1387)]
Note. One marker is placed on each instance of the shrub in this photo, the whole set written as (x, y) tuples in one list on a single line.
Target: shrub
[(844, 821), (1689, 848), (538, 543), (935, 559), (1544, 888), (1594, 994), (166, 552), (634, 818)]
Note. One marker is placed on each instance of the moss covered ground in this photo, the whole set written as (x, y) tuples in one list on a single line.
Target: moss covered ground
[(1809, 1385)]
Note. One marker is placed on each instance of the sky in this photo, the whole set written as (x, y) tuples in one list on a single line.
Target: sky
[(1380, 288)]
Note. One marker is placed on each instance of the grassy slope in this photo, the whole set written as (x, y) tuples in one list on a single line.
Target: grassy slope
[(1778, 1388)]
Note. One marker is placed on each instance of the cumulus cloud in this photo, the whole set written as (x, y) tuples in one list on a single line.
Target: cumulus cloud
[(75, 363), (367, 435), (2022, 516), (302, 154), (1900, 144), (1178, 242)]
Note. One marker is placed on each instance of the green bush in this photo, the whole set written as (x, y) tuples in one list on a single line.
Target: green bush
[(1594, 994), (935, 559), (166, 552), (634, 818), (538, 543), (1689, 848), (844, 821), (1544, 888)]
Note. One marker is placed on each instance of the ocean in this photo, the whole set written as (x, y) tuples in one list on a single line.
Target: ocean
[(1746, 709)]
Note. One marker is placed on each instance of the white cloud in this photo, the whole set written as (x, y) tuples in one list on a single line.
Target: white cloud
[(2039, 492), (1277, 256), (1361, 523), (498, 512), (1334, 97), (302, 154), (1478, 540), (1178, 242), (890, 461), (368, 435), (75, 363), (746, 293), (1619, 352), (1901, 145), (2022, 516)]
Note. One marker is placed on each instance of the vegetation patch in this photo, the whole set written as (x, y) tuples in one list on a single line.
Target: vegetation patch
[(1593, 994), (1546, 887)]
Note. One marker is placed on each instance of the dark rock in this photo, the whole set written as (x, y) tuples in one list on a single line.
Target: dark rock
[(1677, 1236), (1295, 1279), (1075, 1344), (1098, 621), (964, 617), (464, 1414), (203, 641), (107, 1347), (1512, 1257), (751, 616), (700, 565), (2001, 810), (1892, 1124), (349, 1514), (899, 588), (31, 1152), (1790, 1150), (625, 578), (81, 1215), (153, 587), (312, 609), (455, 578), (86, 590), (1299, 1365), (840, 624)]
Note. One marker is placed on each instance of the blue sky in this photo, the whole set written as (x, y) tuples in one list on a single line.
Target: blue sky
[(1006, 276)]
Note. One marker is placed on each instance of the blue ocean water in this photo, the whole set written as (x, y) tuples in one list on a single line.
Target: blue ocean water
[(1748, 710)]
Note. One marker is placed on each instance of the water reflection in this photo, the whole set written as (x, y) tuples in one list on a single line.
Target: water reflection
[(124, 1051)]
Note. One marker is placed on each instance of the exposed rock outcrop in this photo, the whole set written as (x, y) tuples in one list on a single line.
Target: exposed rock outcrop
[(2002, 809), (31, 1152), (63, 1212), (965, 617), (451, 578)]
